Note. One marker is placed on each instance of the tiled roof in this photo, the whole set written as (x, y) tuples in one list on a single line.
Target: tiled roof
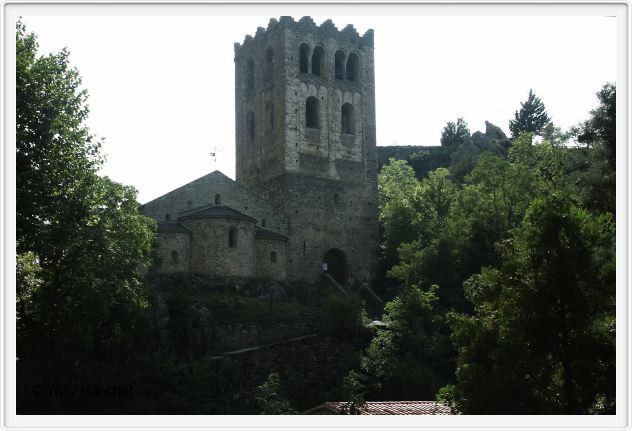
[(172, 226), (214, 211), (268, 234), (388, 408)]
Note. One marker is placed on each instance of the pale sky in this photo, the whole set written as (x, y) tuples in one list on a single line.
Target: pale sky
[(162, 87)]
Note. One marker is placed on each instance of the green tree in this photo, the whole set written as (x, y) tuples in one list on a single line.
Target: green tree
[(80, 236), (594, 166), (454, 134), (399, 206), (410, 359), (269, 399), (541, 339), (531, 117)]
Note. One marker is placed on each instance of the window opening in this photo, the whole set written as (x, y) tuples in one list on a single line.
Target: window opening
[(348, 118), (311, 113), (250, 74), (174, 257), (318, 61), (273, 256), (304, 58), (232, 237), (353, 68), (250, 120), (339, 66), (269, 64), (218, 199)]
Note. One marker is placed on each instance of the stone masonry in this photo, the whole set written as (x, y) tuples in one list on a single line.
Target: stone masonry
[(306, 162)]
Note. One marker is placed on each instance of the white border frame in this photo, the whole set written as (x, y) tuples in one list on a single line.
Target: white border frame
[(11, 9)]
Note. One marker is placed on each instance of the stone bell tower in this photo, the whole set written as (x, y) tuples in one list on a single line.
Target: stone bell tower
[(305, 140)]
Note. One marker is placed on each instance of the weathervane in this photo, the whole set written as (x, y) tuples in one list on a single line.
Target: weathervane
[(213, 154)]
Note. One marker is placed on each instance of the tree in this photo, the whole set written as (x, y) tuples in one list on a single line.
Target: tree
[(269, 399), (531, 117), (80, 237), (454, 134), (399, 207), (541, 339), (411, 359), (595, 164)]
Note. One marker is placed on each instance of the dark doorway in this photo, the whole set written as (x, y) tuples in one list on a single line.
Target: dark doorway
[(336, 264)]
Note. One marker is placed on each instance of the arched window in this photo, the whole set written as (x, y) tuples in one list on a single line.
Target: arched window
[(250, 75), (174, 257), (353, 68), (339, 68), (348, 118), (250, 125), (263, 222), (232, 237), (318, 61), (218, 199), (270, 115), (303, 58), (269, 65), (311, 113), (273, 256)]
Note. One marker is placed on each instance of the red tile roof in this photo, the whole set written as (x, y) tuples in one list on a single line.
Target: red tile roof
[(388, 408)]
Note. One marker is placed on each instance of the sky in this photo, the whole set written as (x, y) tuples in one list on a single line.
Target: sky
[(161, 88)]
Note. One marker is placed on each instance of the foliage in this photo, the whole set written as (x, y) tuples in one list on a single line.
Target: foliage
[(269, 399), (411, 358), (80, 236), (541, 339), (454, 134), (531, 117), (355, 389), (344, 316), (594, 167)]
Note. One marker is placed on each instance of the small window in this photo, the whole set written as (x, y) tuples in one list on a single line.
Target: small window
[(273, 256), (250, 124), (348, 118), (336, 198), (269, 65), (270, 115), (339, 66), (167, 216), (250, 75), (311, 113), (353, 68), (263, 222), (174, 257), (218, 199), (304, 58), (232, 237), (318, 61)]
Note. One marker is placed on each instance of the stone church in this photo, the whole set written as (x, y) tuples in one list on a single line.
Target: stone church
[(306, 176)]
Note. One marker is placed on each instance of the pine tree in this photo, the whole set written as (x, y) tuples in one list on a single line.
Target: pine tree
[(531, 117)]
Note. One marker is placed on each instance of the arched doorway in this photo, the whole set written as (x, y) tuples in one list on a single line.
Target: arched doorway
[(336, 264)]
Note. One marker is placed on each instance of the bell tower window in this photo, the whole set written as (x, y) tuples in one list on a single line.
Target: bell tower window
[(348, 119), (303, 58), (311, 113), (318, 61), (353, 68), (339, 66)]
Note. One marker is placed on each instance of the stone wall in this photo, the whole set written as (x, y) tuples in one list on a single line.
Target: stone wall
[(271, 258), (204, 190), (323, 179), (210, 250), (170, 242)]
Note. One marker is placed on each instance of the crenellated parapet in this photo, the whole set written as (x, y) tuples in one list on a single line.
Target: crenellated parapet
[(305, 25)]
